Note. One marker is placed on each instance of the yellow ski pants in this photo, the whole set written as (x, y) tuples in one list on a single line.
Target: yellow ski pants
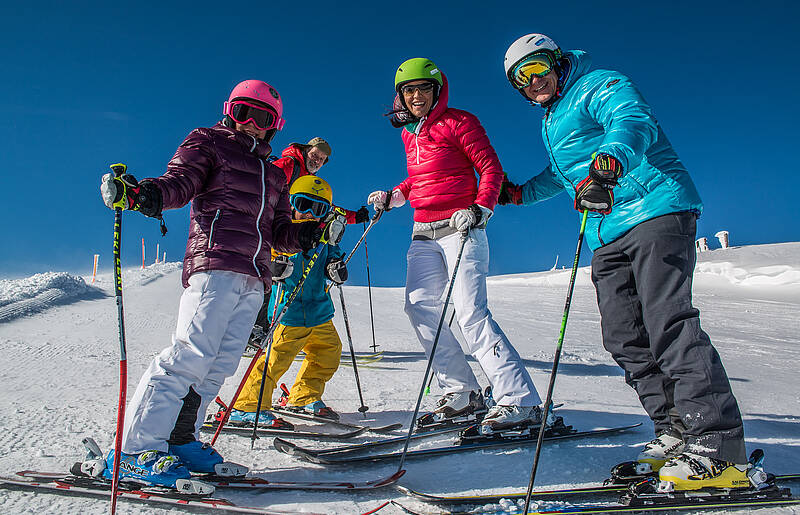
[(323, 350)]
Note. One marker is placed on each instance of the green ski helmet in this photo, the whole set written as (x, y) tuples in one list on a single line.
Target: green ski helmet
[(418, 68)]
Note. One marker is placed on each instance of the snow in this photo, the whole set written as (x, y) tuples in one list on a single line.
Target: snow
[(59, 342)]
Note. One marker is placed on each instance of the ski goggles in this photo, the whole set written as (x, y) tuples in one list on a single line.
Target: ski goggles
[(523, 72), (243, 112), (305, 204), (409, 89)]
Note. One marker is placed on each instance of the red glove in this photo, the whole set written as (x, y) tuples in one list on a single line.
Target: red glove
[(595, 192), (510, 193)]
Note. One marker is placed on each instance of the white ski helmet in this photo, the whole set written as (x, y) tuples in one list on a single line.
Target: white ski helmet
[(527, 45)]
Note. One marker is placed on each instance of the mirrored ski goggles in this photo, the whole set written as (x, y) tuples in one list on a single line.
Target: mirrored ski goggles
[(243, 112), (522, 74), (305, 204)]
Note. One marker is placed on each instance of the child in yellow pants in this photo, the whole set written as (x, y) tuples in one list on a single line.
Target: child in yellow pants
[(307, 324)]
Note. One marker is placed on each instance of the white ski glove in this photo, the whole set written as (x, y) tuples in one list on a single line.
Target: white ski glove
[(465, 219), (282, 267), (378, 199), (335, 227)]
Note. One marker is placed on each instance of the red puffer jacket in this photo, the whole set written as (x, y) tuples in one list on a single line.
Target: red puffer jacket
[(443, 154), (240, 203), (293, 165)]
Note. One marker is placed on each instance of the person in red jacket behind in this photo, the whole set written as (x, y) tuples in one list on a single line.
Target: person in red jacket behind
[(444, 149), (240, 211), (298, 160)]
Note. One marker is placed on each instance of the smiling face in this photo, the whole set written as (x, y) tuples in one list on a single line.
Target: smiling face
[(542, 89), (315, 158), (418, 101)]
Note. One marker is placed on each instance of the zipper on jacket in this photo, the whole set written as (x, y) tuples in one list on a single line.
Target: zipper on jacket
[(416, 135), (550, 146), (211, 232), (258, 218)]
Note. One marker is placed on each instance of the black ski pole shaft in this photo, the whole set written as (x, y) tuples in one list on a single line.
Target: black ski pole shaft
[(464, 237), (364, 408), (372, 222), (369, 292), (430, 379), (549, 400), (254, 436), (311, 262), (118, 170)]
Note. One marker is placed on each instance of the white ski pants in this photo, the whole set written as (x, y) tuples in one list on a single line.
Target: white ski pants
[(430, 265), (216, 315)]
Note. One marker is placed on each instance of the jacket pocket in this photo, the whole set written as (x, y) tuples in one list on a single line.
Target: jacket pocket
[(213, 224)]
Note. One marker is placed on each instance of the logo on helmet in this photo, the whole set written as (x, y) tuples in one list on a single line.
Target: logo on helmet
[(434, 71), (541, 42)]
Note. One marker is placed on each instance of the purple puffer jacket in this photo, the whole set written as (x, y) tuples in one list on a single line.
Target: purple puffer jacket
[(240, 202)]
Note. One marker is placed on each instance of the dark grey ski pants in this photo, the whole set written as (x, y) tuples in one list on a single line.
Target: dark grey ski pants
[(644, 291)]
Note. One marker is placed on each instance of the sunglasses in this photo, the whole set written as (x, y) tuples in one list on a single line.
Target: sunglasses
[(305, 204), (523, 72), (244, 112), (410, 89)]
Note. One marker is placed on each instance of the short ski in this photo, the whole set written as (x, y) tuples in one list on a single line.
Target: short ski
[(349, 457), (290, 413), (363, 446), (589, 491), (93, 487), (210, 427)]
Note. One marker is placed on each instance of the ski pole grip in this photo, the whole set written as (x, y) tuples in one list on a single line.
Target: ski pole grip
[(119, 169)]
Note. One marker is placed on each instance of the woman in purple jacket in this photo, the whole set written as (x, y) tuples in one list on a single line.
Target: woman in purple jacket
[(239, 210)]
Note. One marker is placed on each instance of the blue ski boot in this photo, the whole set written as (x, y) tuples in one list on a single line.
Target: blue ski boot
[(319, 409), (150, 467), (201, 458), (265, 419)]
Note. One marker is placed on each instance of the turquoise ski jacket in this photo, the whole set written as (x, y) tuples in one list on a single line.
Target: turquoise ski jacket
[(602, 111), (312, 306)]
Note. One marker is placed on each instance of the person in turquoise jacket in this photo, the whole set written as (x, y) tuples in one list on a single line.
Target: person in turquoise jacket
[(609, 153), (307, 324)]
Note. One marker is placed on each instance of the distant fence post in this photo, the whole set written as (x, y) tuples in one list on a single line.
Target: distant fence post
[(94, 267), (722, 236), (143, 253), (158, 251)]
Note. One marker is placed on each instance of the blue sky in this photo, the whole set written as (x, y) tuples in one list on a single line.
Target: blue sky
[(85, 85)]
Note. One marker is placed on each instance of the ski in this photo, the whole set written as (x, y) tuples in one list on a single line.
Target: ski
[(65, 484), (243, 482), (281, 444), (247, 430), (351, 456), (601, 490), (290, 413)]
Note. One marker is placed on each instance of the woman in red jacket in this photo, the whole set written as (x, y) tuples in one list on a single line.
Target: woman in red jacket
[(445, 147)]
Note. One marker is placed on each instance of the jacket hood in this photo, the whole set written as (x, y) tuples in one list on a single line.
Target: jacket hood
[(259, 147), (441, 103), (295, 152), (580, 63)]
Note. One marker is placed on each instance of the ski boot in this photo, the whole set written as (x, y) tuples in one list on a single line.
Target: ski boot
[(507, 417), (666, 445), (201, 458), (265, 419), (689, 471), (455, 404), (318, 409), (152, 468)]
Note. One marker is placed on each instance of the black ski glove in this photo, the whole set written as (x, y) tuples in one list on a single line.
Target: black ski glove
[(510, 193), (127, 193), (281, 267), (595, 192), (336, 271), (309, 235), (362, 215)]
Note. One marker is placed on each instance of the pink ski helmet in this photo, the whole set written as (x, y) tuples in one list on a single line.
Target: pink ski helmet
[(261, 91)]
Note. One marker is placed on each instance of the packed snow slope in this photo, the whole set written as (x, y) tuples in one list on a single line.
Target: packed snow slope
[(59, 376)]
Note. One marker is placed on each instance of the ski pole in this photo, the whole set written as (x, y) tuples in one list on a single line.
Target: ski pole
[(464, 237), (369, 291), (556, 359), (373, 221), (254, 436), (119, 169), (363, 409), (430, 379), (268, 336)]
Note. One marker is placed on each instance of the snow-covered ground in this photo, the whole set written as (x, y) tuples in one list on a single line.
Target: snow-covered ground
[(59, 373)]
